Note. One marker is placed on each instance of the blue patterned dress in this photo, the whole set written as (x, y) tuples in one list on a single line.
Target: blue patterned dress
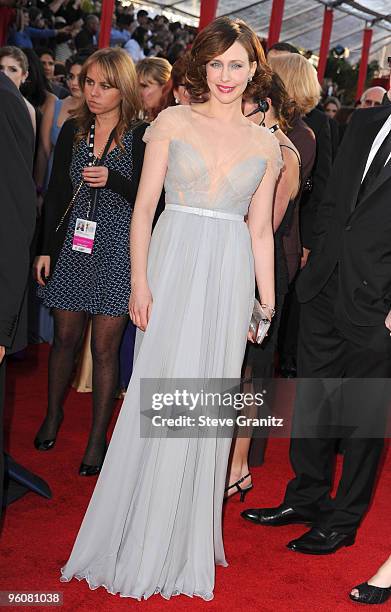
[(98, 283)]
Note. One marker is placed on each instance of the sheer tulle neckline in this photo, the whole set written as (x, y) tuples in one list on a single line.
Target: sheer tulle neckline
[(247, 122)]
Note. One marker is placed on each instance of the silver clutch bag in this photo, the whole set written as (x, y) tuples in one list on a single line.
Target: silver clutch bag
[(259, 324)]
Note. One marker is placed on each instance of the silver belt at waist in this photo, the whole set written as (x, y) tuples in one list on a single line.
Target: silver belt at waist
[(205, 212)]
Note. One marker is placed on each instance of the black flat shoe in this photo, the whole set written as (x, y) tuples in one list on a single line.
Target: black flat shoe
[(321, 542), (48, 444), (91, 470), (276, 517), (370, 594), (242, 490)]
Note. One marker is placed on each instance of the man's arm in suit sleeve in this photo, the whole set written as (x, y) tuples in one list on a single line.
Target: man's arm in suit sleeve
[(320, 176), (326, 210), (17, 215)]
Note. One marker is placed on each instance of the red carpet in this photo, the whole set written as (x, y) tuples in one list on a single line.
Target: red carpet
[(262, 576)]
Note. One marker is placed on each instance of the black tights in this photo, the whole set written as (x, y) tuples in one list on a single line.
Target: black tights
[(105, 341)]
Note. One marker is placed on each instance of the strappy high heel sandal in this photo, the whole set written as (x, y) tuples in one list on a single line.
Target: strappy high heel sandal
[(370, 594), (239, 489)]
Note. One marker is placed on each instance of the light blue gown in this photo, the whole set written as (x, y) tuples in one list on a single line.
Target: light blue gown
[(153, 524)]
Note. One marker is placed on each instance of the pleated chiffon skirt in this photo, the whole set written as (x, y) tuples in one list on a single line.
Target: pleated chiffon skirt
[(153, 524)]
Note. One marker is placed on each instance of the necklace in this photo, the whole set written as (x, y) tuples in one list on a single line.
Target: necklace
[(94, 161), (91, 144), (91, 140)]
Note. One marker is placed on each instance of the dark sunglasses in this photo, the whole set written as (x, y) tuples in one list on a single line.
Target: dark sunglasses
[(389, 61)]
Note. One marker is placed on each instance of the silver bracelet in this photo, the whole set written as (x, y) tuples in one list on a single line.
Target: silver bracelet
[(270, 309)]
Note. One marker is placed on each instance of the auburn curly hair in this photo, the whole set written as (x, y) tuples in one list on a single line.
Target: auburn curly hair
[(214, 40), (284, 107)]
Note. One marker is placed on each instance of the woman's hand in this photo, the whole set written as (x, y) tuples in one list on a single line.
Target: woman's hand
[(250, 336), (95, 176), (140, 306), (387, 322), (41, 269), (304, 258)]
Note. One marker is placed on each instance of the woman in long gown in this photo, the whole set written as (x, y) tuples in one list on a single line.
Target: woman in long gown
[(153, 524)]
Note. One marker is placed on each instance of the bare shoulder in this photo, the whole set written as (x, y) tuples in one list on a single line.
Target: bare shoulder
[(31, 111), (30, 107), (50, 102)]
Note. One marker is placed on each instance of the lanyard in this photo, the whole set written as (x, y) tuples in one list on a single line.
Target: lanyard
[(96, 161), (93, 162)]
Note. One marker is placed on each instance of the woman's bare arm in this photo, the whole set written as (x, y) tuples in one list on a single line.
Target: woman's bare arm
[(287, 186), (44, 143), (148, 194), (262, 237)]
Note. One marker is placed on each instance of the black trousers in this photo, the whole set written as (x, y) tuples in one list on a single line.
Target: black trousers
[(328, 408)]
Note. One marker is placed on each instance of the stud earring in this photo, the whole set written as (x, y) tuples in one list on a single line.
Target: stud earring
[(250, 78), (176, 101)]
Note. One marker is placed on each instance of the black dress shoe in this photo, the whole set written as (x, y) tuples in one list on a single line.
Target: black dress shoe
[(282, 515), (45, 445), (321, 542), (370, 594), (91, 470)]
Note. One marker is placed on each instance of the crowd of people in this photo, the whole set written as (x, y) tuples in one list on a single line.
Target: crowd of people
[(67, 27), (136, 134)]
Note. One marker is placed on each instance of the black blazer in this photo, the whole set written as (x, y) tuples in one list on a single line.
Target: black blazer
[(60, 191), (84, 42), (334, 131), (310, 201), (358, 238), (17, 211)]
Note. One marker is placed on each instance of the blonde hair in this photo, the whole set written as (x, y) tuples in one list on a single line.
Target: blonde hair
[(119, 71), (154, 68), (300, 79), (157, 69)]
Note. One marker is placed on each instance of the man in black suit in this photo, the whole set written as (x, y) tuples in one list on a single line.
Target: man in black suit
[(311, 200), (345, 292), (17, 222)]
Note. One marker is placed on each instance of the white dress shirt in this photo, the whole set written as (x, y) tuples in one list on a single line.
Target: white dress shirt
[(377, 144)]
